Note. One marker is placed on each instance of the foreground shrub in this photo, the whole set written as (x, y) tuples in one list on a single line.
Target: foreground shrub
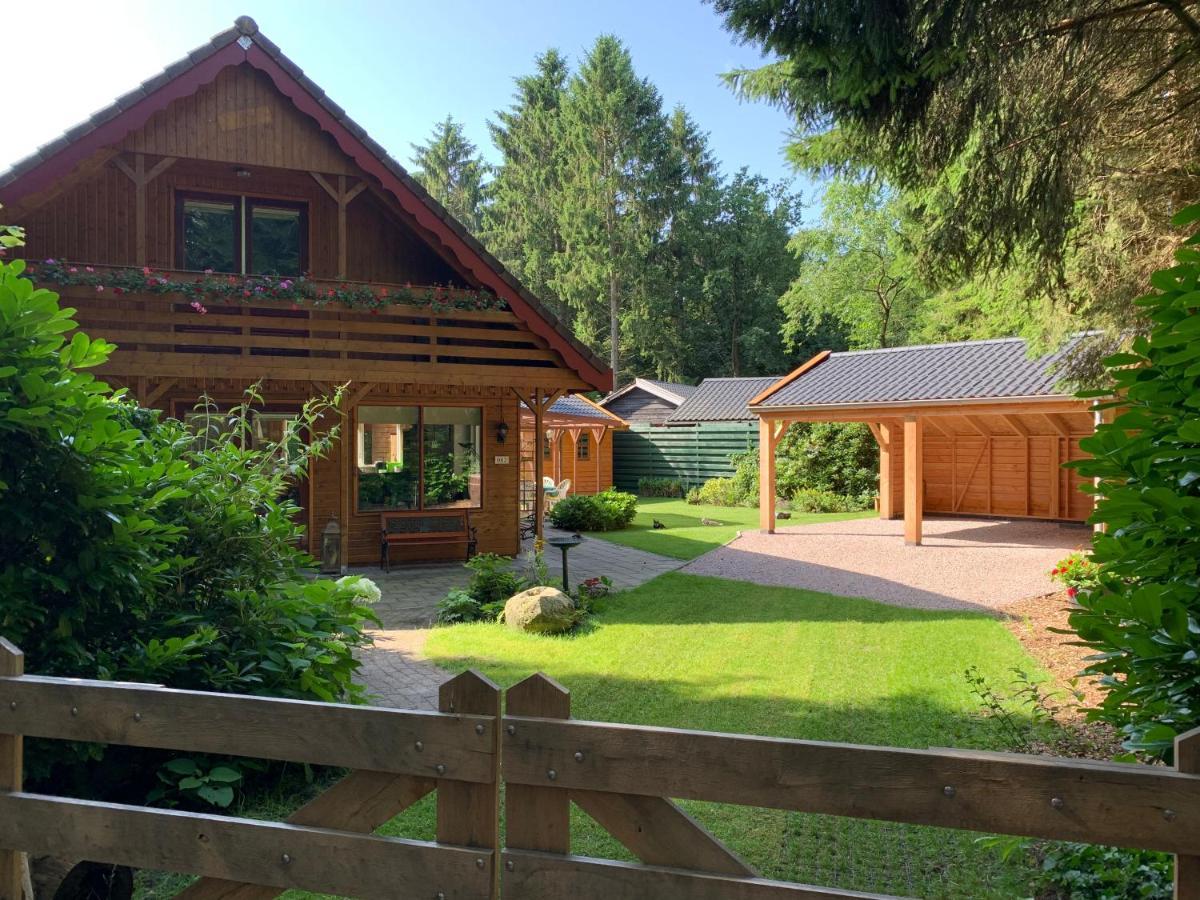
[(1077, 572), (609, 510), (143, 549), (1141, 616), (659, 487), (816, 500)]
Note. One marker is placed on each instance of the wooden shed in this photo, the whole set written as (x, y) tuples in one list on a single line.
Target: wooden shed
[(576, 444), (226, 223), (970, 428), (645, 401)]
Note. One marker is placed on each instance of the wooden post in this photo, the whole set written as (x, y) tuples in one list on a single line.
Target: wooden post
[(1187, 868), (12, 860), (766, 475), (886, 504), (539, 467), (913, 470), (537, 818), (468, 813)]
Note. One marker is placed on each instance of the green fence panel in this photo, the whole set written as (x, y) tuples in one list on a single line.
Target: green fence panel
[(690, 453)]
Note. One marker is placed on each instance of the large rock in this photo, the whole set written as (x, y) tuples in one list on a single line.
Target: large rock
[(541, 610)]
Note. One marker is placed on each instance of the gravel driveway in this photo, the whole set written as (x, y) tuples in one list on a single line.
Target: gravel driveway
[(962, 564)]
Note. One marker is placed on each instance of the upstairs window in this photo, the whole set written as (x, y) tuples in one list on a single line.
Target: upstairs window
[(241, 235), (583, 449)]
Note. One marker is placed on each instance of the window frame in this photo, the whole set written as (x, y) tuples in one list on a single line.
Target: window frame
[(420, 509), (583, 446), (242, 231)]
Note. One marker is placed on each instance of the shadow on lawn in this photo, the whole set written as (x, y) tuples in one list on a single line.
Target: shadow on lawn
[(851, 854)]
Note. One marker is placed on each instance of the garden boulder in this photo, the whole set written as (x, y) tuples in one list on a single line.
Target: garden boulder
[(540, 610)]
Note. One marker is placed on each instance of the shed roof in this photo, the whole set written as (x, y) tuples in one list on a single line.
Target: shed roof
[(244, 43), (968, 370), (721, 400), (576, 408), (672, 391)]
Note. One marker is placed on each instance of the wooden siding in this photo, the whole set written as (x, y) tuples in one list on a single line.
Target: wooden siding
[(93, 221), (641, 407), (240, 117), (998, 474), (587, 476)]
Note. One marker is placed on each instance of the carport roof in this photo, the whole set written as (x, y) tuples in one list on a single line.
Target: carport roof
[(970, 370)]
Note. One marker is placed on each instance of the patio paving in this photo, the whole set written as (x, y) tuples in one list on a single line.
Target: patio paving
[(395, 669), (979, 564)]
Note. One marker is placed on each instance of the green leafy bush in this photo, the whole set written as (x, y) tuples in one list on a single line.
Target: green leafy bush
[(659, 487), (458, 606), (1142, 616), (833, 457), (609, 510), (1090, 872), (493, 578), (817, 500), (717, 492), (143, 549)]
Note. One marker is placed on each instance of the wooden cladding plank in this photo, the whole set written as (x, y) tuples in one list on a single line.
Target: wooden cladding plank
[(1187, 867), (12, 860), (538, 816), (356, 737), (659, 833), (271, 853), (469, 814), (360, 802), (530, 875), (1103, 803)]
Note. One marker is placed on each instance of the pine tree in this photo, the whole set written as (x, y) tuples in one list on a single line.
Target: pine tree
[(614, 169), (451, 169), (521, 223)]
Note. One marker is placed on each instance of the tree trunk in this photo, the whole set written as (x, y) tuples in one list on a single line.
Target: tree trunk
[(614, 324)]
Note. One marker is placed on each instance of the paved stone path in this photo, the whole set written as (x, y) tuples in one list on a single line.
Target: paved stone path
[(395, 669)]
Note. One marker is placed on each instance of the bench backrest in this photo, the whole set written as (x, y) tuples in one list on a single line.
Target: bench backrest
[(401, 526)]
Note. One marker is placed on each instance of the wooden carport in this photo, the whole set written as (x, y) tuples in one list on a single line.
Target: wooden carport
[(974, 428)]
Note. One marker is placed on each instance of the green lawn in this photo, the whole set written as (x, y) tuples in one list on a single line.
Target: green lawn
[(693, 652), (685, 538), (705, 653)]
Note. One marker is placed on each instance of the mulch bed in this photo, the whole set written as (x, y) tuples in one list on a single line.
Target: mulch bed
[(1033, 622)]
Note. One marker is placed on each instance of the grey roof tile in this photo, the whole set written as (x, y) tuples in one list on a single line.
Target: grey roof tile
[(969, 370), (721, 400)]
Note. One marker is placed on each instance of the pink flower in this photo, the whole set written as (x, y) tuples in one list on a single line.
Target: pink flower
[(99, 289), (72, 270), (145, 270), (208, 271), (198, 307), (89, 269)]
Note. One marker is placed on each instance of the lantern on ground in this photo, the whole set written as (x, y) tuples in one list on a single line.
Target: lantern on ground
[(331, 548)]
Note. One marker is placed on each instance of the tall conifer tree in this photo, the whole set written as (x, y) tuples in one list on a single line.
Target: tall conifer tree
[(451, 169)]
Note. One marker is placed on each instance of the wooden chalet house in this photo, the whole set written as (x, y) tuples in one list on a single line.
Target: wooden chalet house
[(227, 223)]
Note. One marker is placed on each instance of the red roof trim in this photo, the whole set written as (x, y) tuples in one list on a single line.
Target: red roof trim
[(187, 82)]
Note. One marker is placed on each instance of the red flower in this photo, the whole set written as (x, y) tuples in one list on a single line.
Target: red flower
[(145, 270), (1072, 591)]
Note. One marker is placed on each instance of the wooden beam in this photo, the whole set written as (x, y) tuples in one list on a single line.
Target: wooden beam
[(971, 475), (887, 432), (1187, 868), (341, 195), (155, 394), (1015, 424), (1055, 421), (766, 476), (538, 817), (874, 426), (1055, 478), (913, 473), (981, 427), (941, 429), (787, 379), (141, 179), (12, 859)]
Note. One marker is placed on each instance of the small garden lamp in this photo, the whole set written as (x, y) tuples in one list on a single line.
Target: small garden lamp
[(331, 548), (501, 431)]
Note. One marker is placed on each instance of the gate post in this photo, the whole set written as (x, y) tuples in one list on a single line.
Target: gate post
[(12, 862), (1187, 868), (468, 814), (537, 818)]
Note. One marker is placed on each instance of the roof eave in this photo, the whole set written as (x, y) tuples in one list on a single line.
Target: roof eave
[(760, 408)]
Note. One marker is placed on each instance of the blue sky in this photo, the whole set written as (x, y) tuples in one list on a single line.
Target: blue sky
[(397, 67)]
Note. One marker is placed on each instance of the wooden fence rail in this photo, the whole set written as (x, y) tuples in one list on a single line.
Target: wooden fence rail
[(627, 778)]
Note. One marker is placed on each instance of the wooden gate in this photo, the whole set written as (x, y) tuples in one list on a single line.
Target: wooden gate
[(623, 776)]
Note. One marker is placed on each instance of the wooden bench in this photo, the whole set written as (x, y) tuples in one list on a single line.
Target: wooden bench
[(452, 526)]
